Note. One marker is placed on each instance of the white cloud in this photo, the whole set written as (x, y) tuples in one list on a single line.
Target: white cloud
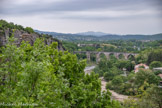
[(110, 13)]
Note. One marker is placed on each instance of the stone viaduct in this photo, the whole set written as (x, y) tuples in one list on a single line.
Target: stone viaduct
[(107, 54)]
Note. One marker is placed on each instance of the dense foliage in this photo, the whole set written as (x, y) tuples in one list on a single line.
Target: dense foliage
[(150, 55), (43, 76), (113, 67), (155, 55), (121, 77), (151, 98), (143, 85), (134, 46), (5, 25)]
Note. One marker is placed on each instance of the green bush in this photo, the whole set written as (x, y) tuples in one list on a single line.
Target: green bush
[(155, 64), (145, 76), (29, 30), (117, 80)]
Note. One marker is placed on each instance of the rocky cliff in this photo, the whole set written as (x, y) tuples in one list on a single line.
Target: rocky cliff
[(21, 35)]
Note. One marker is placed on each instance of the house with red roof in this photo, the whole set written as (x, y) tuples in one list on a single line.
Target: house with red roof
[(139, 66)]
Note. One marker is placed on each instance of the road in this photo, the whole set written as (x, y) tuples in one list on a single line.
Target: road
[(115, 95)]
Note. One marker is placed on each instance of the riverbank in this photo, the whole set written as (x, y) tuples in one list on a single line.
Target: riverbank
[(114, 95)]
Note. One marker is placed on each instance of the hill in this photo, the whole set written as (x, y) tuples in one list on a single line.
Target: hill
[(21, 33), (97, 36)]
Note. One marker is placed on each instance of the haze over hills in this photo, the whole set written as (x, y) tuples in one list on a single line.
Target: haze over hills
[(88, 33), (92, 33), (99, 36)]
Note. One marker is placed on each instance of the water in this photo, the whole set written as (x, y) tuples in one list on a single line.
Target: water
[(88, 69)]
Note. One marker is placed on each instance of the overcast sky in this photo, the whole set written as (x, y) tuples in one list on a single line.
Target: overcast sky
[(72, 16)]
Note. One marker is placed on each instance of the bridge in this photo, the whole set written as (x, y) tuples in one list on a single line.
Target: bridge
[(107, 54)]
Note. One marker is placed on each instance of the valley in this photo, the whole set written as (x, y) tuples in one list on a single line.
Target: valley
[(44, 71)]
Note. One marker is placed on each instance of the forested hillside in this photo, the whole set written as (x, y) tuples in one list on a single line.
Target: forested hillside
[(40, 75)]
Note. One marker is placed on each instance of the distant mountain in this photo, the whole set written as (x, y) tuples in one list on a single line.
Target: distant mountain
[(92, 33), (98, 36)]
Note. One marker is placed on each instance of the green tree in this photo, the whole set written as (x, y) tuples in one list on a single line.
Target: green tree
[(130, 66), (29, 30), (145, 76), (99, 49), (155, 55), (50, 78), (155, 64), (151, 98), (102, 56), (122, 64), (110, 74), (117, 80)]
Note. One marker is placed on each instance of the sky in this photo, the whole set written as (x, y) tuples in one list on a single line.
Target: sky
[(73, 16)]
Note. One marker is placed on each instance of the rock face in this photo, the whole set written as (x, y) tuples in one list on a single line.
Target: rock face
[(21, 35)]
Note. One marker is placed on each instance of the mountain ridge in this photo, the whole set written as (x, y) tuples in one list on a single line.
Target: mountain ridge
[(86, 37)]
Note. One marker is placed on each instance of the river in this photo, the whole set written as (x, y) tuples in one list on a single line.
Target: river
[(114, 95), (88, 69)]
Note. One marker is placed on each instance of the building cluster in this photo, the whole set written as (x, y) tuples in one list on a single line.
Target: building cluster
[(144, 66)]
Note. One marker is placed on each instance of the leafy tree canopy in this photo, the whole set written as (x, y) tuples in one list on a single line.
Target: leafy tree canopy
[(43, 75)]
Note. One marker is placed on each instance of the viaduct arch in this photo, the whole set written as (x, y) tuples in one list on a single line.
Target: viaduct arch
[(107, 54)]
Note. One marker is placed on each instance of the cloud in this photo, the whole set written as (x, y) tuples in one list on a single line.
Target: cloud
[(43, 6), (81, 9), (92, 12), (1, 5), (106, 14)]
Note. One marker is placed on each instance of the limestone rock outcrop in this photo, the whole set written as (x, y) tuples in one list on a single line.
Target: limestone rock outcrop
[(21, 35)]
